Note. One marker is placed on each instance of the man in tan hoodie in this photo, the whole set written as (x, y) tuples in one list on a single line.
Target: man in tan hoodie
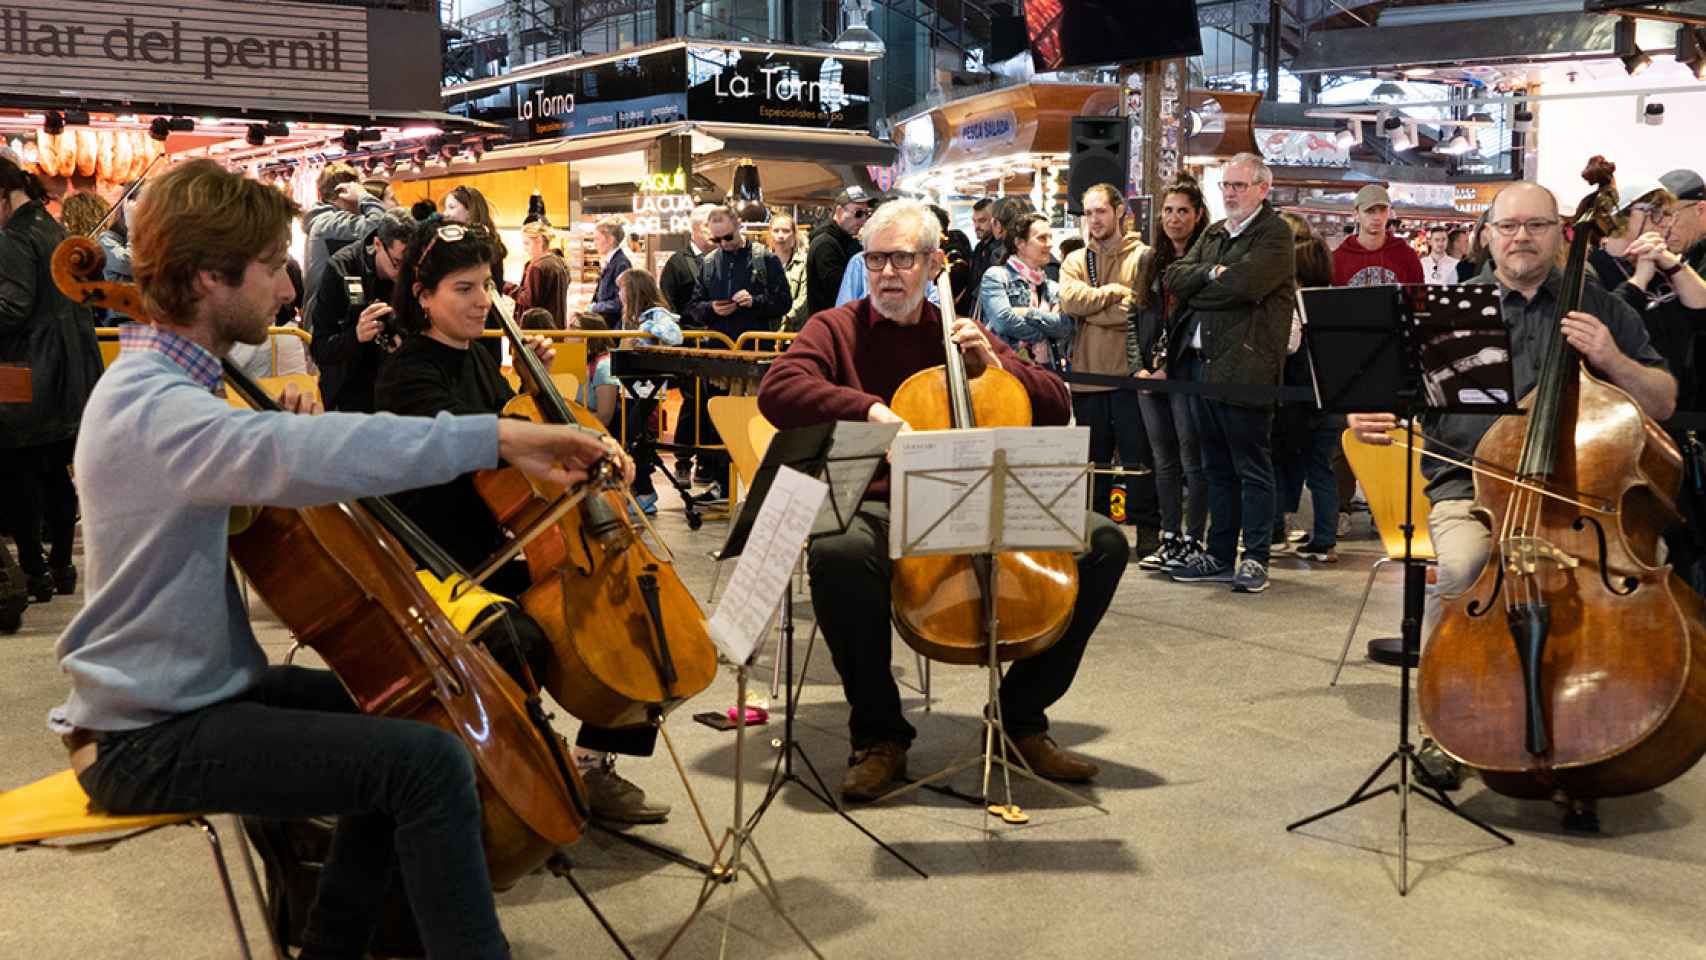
[(1096, 288)]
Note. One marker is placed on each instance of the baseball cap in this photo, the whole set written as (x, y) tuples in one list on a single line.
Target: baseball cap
[(1685, 184), (1373, 195), (856, 194), (1635, 189)]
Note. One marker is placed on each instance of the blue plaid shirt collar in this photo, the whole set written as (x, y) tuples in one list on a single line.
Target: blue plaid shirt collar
[(202, 366)]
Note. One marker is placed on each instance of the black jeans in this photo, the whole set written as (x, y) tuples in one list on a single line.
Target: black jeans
[(850, 592), (1116, 424), (38, 481), (1238, 461), (1170, 419), (637, 431), (293, 747)]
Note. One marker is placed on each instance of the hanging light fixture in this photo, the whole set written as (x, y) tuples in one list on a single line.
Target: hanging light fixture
[(746, 194), (1456, 145), (1691, 50), (1634, 58)]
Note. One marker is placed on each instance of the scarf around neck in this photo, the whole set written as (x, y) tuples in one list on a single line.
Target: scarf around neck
[(1026, 272)]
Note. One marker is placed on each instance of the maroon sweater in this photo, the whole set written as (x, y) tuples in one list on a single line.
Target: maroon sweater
[(848, 357)]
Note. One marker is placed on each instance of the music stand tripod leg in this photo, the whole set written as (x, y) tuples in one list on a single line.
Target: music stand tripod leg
[(1415, 582), (560, 866), (784, 772)]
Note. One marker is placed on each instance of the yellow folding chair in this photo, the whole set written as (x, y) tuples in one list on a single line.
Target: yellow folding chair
[(56, 808), (1380, 471)]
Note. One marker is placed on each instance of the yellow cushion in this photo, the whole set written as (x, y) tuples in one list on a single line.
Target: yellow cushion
[(462, 610), (56, 806)]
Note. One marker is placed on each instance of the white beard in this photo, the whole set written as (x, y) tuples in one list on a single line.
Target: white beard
[(906, 313)]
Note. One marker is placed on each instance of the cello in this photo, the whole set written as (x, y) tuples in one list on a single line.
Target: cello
[(1590, 683), (629, 640), (938, 601), (343, 578)]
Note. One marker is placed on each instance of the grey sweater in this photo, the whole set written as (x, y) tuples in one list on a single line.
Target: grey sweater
[(160, 461)]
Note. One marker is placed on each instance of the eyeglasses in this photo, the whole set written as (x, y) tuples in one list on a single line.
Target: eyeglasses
[(1236, 186), (451, 233), (1508, 228), (876, 260), (861, 213)]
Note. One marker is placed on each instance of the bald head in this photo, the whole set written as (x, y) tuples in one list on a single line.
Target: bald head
[(1527, 194)]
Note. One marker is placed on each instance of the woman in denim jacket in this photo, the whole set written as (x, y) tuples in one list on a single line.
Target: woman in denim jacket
[(1020, 304)]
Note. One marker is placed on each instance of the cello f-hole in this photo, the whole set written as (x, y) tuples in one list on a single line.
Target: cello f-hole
[(1629, 583)]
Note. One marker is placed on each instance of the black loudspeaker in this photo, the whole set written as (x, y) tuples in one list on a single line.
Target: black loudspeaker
[(1100, 151), (1007, 37)]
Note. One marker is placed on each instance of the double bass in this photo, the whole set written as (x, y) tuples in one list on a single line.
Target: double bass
[(1572, 667), (629, 641), (938, 601), (343, 578)]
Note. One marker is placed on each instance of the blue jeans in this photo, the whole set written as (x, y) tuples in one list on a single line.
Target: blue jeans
[(1171, 421), (1314, 469), (293, 747), (1238, 462)]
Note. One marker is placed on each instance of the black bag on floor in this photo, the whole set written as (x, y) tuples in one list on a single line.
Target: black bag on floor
[(292, 852)]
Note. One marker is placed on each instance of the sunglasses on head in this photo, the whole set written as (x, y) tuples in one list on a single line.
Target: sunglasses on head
[(451, 233)]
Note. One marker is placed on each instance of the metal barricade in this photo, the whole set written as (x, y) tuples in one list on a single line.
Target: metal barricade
[(753, 340), (108, 340)]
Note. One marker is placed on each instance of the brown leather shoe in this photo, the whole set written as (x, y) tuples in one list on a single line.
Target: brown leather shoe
[(1046, 759), (871, 772)]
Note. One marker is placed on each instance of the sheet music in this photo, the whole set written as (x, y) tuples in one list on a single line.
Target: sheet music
[(854, 455), (762, 573), (927, 515), (920, 500), (1062, 491)]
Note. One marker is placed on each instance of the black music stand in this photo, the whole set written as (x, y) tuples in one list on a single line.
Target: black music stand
[(845, 456), (1407, 350)]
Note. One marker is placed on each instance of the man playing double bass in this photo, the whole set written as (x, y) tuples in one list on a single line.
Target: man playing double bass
[(846, 365), (1525, 236), (173, 705)]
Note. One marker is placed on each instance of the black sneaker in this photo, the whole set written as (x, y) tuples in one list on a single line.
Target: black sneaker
[(1156, 558), (703, 475), (1184, 552), (1310, 551), (40, 586), (1203, 568), (684, 471), (1434, 769), (65, 580)]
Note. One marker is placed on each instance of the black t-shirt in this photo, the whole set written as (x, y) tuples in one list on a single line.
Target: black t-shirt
[(424, 378)]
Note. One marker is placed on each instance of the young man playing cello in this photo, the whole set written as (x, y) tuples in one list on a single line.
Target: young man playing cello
[(846, 365), (173, 705)]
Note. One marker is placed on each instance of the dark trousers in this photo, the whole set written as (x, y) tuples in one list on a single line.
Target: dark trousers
[(523, 640), (38, 481), (1311, 466), (1238, 463), (1116, 425), (850, 592), (637, 431), (1170, 419), (293, 747)]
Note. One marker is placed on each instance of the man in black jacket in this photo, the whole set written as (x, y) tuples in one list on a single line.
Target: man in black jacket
[(607, 240), (834, 242), (351, 313), (1235, 289), (741, 287), (55, 338), (680, 276)]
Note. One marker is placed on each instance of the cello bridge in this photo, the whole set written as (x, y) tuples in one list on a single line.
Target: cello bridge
[(1524, 554)]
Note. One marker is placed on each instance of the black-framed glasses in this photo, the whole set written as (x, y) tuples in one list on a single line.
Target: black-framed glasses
[(877, 260), (452, 233), (726, 238), (1508, 228)]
